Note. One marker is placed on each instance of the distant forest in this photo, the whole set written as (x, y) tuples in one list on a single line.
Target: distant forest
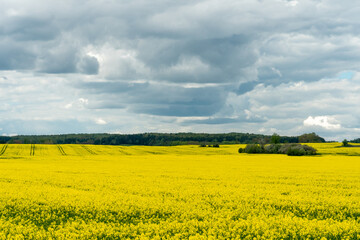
[(356, 140), (157, 139)]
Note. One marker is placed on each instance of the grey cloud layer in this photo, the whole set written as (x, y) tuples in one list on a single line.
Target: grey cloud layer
[(210, 59)]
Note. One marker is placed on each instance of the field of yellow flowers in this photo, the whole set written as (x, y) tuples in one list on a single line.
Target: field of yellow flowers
[(181, 192)]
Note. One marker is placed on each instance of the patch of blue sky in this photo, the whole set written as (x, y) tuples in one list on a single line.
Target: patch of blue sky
[(346, 75)]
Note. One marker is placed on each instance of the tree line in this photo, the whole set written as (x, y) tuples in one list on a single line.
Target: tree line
[(158, 139), (357, 140)]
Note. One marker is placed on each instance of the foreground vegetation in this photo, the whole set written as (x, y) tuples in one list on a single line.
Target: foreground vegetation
[(182, 192)]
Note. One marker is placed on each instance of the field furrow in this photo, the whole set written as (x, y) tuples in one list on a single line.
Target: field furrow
[(3, 149), (32, 149), (61, 150), (89, 150)]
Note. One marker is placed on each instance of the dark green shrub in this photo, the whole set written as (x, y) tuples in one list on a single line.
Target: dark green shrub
[(202, 145), (291, 149), (216, 145), (345, 143), (296, 149), (253, 148), (272, 148), (309, 150), (285, 147)]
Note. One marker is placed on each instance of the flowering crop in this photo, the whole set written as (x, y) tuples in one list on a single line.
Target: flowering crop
[(181, 192)]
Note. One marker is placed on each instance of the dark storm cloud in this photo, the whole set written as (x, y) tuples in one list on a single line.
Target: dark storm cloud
[(15, 56), (159, 99), (59, 61), (246, 87), (306, 58), (89, 65), (215, 60), (30, 28)]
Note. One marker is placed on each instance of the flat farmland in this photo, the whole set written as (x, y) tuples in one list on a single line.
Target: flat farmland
[(180, 192)]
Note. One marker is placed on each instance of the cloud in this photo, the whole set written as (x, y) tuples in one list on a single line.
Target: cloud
[(158, 98), (176, 100), (292, 3), (228, 62), (31, 127), (88, 65), (35, 28), (322, 121), (246, 87), (100, 121), (225, 120), (15, 56)]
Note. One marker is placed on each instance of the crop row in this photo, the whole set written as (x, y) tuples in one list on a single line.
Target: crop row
[(3, 149)]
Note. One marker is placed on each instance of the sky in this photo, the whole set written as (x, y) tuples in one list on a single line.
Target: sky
[(133, 66)]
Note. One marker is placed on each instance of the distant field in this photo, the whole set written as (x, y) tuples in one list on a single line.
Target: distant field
[(180, 192)]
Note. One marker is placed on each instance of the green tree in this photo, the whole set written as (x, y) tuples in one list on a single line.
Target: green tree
[(275, 138), (310, 138), (345, 143)]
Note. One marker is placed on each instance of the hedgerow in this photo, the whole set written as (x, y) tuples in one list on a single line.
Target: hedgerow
[(291, 149)]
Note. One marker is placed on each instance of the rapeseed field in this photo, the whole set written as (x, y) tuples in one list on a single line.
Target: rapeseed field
[(181, 192)]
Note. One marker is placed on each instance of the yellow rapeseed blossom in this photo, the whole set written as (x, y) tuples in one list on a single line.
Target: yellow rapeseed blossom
[(180, 192)]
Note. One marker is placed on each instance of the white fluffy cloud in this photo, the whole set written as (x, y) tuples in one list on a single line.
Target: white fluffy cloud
[(100, 121), (322, 121)]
